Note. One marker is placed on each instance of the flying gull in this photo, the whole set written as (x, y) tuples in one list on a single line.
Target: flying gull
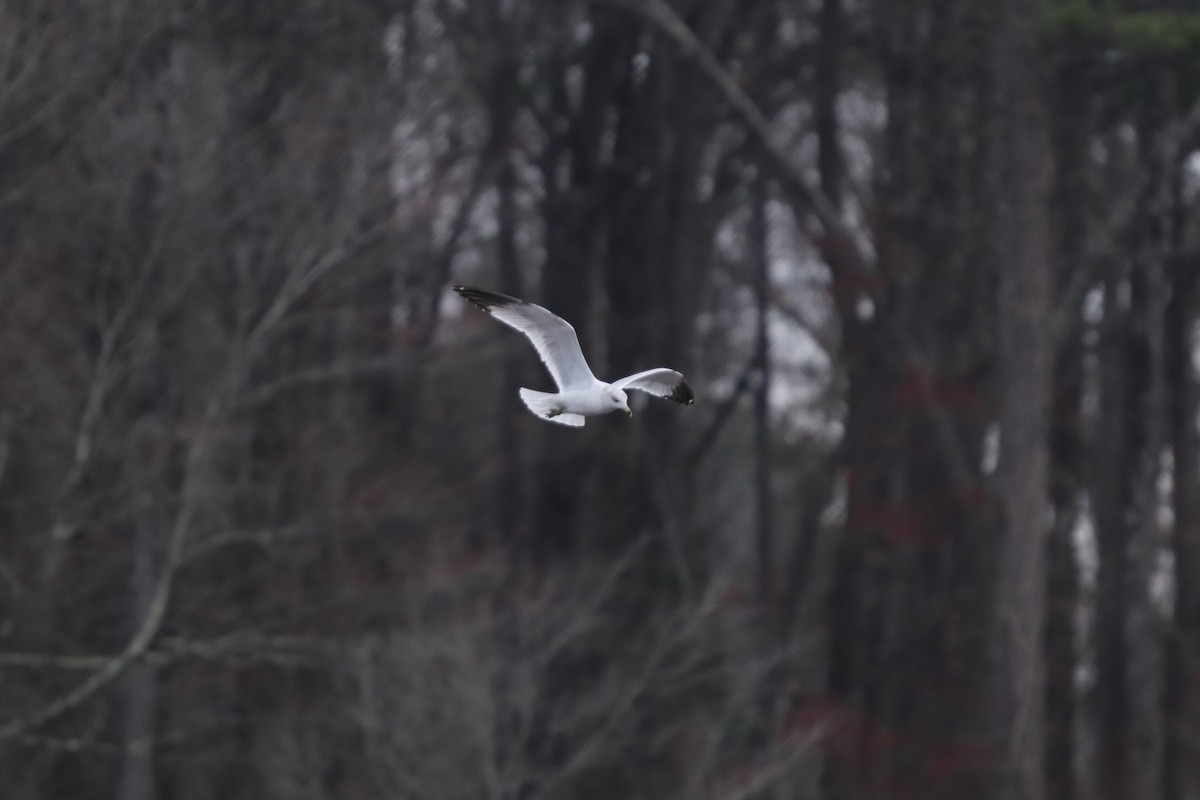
[(580, 394)]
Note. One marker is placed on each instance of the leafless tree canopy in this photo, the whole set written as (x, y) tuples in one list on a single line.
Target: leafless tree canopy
[(274, 523)]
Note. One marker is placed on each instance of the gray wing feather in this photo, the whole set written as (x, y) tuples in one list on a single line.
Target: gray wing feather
[(551, 335), (661, 382)]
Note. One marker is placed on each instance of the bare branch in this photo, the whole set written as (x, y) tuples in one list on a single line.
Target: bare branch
[(194, 490)]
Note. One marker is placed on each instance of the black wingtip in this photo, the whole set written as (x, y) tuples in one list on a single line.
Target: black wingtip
[(485, 299), (682, 393)]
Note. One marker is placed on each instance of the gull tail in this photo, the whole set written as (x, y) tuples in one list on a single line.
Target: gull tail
[(548, 406)]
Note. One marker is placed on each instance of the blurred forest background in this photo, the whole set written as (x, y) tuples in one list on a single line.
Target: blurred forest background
[(274, 523)]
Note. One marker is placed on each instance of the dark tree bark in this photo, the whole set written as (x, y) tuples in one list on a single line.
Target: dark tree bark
[(910, 596), (573, 176), (502, 96), (1181, 772), (1072, 114), (655, 254), (1023, 247)]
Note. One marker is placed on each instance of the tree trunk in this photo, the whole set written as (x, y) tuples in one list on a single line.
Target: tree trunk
[(1023, 251), (508, 498), (574, 190), (1181, 774)]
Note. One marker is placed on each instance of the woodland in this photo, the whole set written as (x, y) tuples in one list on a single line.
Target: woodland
[(274, 524)]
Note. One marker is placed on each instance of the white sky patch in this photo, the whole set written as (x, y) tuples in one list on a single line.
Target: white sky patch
[(864, 308), (1087, 550), (393, 48), (1162, 572), (1093, 315), (582, 30), (1191, 176), (1195, 337), (862, 115), (728, 241), (990, 456), (796, 26), (447, 209), (573, 83), (1087, 560), (802, 367), (789, 31), (608, 137), (800, 321), (412, 163), (1093, 305), (1162, 582), (1127, 134), (641, 66)]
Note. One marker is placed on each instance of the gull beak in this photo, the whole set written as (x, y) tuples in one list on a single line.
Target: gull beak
[(628, 411)]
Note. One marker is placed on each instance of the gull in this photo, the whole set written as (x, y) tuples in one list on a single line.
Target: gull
[(580, 393)]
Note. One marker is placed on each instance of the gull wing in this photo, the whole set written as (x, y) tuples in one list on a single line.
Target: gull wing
[(551, 335), (661, 382)]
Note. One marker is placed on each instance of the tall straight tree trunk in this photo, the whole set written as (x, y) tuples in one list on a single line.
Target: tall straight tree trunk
[(1023, 249), (572, 174), (508, 500), (1143, 633), (1181, 772), (1062, 575)]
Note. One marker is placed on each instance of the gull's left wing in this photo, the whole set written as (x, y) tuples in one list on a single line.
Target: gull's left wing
[(661, 382)]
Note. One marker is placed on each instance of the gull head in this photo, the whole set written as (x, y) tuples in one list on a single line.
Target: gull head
[(619, 400)]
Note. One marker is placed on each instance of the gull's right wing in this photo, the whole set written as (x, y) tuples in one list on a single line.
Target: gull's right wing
[(551, 335)]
